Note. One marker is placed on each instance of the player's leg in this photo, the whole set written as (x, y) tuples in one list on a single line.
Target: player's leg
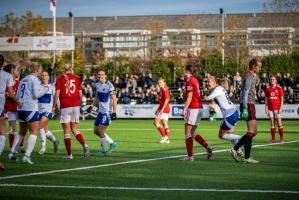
[(12, 119), (67, 140), (189, 142), (52, 138), (80, 138), (65, 119), (280, 126), (198, 113), (33, 125), (157, 121), (100, 131), (272, 123), (43, 123), (166, 130), (75, 115), (2, 131), (18, 137)]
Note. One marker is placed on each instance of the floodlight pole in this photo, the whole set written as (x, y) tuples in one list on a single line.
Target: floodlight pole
[(72, 32), (222, 38)]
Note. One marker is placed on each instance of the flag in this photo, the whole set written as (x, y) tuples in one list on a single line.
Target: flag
[(53, 5)]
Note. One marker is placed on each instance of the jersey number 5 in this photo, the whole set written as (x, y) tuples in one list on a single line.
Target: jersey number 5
[(72, 86)]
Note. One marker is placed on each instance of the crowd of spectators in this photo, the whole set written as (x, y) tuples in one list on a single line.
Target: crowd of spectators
[(134, 89)]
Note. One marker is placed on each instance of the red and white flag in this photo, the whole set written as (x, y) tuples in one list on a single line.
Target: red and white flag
[(53, 5)]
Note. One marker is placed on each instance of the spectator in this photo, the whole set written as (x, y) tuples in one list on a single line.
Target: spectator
[(124, 96), (149, 81), (290, 97)]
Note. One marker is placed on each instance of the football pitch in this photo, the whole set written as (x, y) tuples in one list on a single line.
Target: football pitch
[(142, 168)]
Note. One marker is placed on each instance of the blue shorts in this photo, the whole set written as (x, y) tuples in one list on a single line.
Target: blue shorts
[(229, 122), (46, 114), (103, 119), (28, 116)]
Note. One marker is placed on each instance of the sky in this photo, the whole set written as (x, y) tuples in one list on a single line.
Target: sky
[(81, 8)]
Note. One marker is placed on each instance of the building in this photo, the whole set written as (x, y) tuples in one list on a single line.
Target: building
[(258, 34)]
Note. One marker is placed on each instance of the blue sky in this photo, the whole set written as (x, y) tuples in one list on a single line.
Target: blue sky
[(130, 7)]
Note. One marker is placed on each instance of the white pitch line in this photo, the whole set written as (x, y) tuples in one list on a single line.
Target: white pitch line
[(126, 162), (150, 189)]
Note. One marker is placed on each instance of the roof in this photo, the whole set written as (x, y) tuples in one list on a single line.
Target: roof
[(194, 21)]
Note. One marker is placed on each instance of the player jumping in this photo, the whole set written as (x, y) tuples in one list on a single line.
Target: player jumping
[(228, 109)]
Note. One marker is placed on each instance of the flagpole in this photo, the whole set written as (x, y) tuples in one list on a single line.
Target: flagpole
[(54, 35)]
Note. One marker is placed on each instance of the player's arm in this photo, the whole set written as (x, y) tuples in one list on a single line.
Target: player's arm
[(212, 95), (281, 99), (114, 101), (248, 82), (11, 94), (80, 94), (266, 105), (38, 89), (56, 97), (188, 101)]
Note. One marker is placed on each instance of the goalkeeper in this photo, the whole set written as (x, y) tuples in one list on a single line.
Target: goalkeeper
[(247, 109), (106, 98)]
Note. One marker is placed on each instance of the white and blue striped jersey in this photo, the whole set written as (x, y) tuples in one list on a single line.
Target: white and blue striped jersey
[(30, 89), (6, 80), (104, 93), (45, 102), (221, 97)]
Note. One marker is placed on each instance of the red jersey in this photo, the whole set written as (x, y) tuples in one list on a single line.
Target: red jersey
[(273, 95), (69, 96), (193, 86), (164, 94), (10, 105)]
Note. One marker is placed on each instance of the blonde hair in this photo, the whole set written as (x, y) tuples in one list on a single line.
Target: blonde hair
[(34, 66)]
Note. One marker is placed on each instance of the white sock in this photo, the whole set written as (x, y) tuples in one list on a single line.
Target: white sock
[(50, 136), (30, 145), (231, 137), (103, 144), (16, 143), (43, 138), (2, 143), (108, 139)]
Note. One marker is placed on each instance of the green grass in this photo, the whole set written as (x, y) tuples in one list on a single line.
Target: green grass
[(138, 140)]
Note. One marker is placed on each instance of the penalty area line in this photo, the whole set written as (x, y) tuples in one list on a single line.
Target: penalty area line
[(149, 189), (127, 162)]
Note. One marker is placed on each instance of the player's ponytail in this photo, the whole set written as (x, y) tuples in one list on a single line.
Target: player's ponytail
[(67, 68)]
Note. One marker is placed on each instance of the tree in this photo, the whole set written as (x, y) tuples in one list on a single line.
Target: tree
[(282, 6), (33, 26), (10, 25)]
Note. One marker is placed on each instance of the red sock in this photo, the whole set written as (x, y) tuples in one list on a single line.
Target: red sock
[(11, 137), (273, 133), (68, 145), (189, 146), (281, 130), (167, 132), (160, 129), (201, 141), (80, 138)]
